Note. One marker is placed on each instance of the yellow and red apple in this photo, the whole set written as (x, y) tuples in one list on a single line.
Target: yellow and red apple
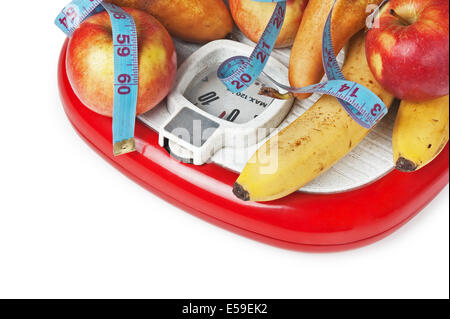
[(409, 52), (90, 62), (252, 18)]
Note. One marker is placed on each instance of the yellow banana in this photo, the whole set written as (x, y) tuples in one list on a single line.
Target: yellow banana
[(421, 132), (311, 144)]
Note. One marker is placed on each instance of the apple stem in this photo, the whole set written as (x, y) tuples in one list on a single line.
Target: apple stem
[(403, 20)]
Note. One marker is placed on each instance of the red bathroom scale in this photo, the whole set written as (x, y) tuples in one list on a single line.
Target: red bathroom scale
[(303, 221)]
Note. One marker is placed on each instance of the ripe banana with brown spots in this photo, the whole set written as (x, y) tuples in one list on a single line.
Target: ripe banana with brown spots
[(420, 134), (311, 144)]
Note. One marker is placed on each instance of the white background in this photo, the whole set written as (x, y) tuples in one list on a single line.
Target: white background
[(64, 233)]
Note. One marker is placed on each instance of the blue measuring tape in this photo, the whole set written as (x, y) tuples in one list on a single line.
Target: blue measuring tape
[(238, 73), (126, 73)]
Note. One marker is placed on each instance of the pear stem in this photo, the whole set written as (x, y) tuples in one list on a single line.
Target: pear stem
[(402, 20), (275, 94)]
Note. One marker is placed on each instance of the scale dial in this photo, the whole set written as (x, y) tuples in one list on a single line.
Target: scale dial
[(209, 94), (205, 116)]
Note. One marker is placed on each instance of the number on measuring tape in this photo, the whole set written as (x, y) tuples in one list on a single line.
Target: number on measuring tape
[(75, 13), (126, 73), (238, 73)]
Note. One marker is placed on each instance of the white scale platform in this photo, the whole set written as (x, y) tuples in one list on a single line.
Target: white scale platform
[(369, 161)]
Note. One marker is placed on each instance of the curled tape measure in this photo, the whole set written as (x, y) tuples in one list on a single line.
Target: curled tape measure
[(238, 73), (126, 72), (204, 117)]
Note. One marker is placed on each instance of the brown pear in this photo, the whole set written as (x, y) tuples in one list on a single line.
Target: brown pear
[(197, 21), (252, 18), (349, 17)]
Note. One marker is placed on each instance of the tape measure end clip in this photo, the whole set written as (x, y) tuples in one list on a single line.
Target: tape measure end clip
[(124, 147)]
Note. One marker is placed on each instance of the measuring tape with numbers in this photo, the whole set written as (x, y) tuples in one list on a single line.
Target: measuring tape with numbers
[(126, 74), (238, 73)]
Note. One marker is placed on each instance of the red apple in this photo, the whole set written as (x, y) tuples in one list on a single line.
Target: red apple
[(90, 62), (408, 54)]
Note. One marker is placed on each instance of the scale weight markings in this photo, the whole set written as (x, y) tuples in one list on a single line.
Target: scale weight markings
[(209, 94), (206, 116)]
